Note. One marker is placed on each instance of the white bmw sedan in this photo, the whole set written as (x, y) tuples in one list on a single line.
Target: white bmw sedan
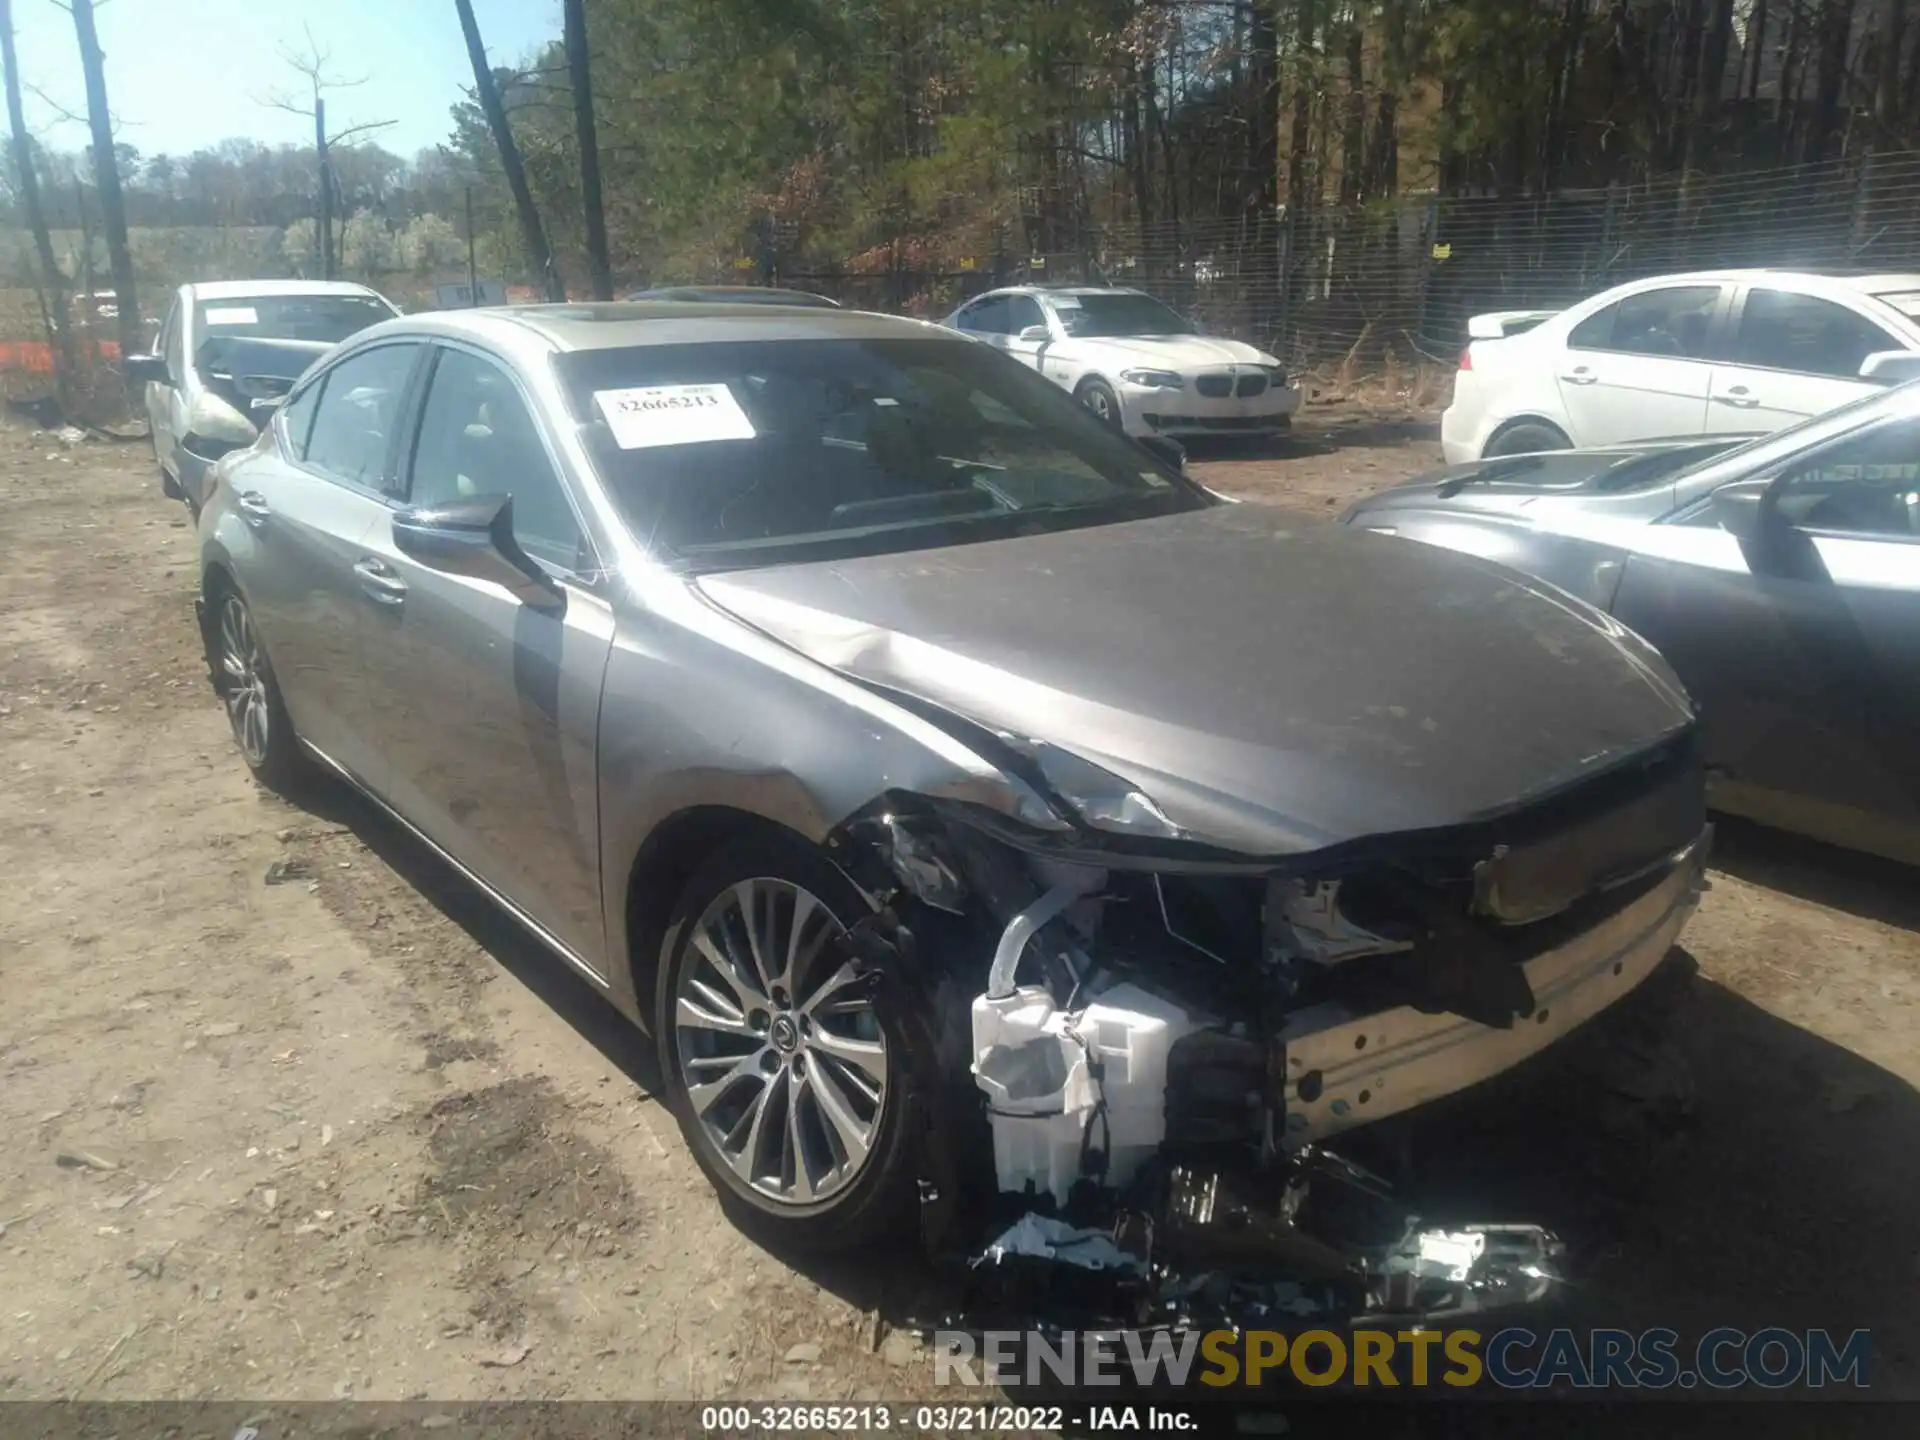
[(1134, 362)]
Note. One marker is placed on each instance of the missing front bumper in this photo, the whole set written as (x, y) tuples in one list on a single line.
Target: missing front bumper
[(1345, 1070)]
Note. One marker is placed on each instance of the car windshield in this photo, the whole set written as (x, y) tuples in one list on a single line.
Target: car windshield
[(331, 318), (751, 453), (1095, 316)]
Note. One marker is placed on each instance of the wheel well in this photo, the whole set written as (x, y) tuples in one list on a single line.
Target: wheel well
[(215, 581), (1092, 379), (1517, 421), (667, 860)]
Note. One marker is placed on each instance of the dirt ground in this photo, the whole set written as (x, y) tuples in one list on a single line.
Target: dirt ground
[(292, 1113)]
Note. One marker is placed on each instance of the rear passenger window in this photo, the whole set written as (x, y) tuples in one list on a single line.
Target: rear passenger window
[(1780, 330), (354, 420), (1673, 323)]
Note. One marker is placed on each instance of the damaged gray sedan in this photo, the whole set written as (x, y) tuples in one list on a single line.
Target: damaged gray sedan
[(979, 814)]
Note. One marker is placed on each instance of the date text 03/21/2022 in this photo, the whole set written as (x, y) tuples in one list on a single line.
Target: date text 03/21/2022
[(942, 1419)]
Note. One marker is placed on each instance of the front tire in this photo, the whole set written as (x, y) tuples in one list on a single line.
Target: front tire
[(256, 712), (1098, 397), (787, 1080)]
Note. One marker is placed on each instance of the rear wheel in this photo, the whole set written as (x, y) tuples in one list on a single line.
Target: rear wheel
[(1527, 437), (786, 1078)]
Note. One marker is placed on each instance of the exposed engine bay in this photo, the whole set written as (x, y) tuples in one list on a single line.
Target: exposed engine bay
[(1143, 1045)]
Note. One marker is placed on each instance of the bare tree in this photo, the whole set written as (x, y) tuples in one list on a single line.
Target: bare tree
[(599, 267), (487, 92), (53, 282), (312, 64), (106, 175)]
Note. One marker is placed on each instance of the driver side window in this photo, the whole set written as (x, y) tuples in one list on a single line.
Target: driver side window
[(1866, 485), (355, 418)]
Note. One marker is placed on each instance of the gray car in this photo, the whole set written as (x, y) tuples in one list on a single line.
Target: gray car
[(1780, 578), (945, 781)]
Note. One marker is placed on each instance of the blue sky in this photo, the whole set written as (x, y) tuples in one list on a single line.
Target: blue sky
[(183, 74)]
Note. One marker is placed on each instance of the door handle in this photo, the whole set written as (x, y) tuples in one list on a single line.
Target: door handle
[(1580, 375), (1738, 395), (378, 582), (253, 507)]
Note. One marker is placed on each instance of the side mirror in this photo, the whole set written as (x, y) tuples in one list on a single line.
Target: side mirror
[(1891, 367), (475, 538), (1037, 333), (1739, 507), (1168, 452), (146, 369)]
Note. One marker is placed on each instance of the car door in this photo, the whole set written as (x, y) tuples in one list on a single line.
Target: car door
[(1792, 356), (306, 518), (1639, 369), (1800, 638), (487, 709)]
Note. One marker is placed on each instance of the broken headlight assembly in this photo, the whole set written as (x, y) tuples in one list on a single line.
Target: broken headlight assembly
[(1158, 1038)]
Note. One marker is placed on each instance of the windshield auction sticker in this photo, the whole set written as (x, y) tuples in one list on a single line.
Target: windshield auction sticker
[(232, 315), (672, 415)]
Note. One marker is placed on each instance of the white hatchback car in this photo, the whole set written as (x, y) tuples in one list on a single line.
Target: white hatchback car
[(1134, 362), (1723, 352)]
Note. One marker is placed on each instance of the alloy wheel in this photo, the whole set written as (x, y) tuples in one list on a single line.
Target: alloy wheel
[(246, 682), (780, 1053)]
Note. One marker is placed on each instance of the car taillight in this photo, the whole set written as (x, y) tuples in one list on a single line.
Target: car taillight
[(1466, 358)]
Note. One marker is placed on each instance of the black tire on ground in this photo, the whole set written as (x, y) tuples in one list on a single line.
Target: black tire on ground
[(1526, 438), (877, 1197), (1098, 397), (169, 486), (244, 679)]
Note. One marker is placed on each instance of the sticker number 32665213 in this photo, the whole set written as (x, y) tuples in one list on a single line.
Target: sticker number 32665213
[(672, 415)]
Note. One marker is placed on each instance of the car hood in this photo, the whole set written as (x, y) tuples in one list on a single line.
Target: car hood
[(1188, 352), (1272, 686)]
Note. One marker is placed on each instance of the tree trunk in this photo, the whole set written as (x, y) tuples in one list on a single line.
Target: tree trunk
[(1381, 174), (1263, 80), (487, 91), (1886, 86), (59, 316), (1706, 94), (323, 222), (1757, 45), (1831, 58), (106, 174), (1353, 142), (1300, 149), (599, 267)]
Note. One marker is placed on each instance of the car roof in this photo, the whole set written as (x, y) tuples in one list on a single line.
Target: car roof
[(750, 294), (618, 324), (1814, 280), (245, 289), (1045, 289)]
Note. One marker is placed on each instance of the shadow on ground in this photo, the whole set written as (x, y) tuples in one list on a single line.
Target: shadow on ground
[(1787, 1200), (1863, 885)]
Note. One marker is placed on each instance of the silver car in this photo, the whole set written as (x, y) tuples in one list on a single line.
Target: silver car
[(229, 351), (1781, 578), (934, 772)]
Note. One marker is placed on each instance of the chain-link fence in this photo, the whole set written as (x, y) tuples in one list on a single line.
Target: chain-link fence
[(1394, 282)]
